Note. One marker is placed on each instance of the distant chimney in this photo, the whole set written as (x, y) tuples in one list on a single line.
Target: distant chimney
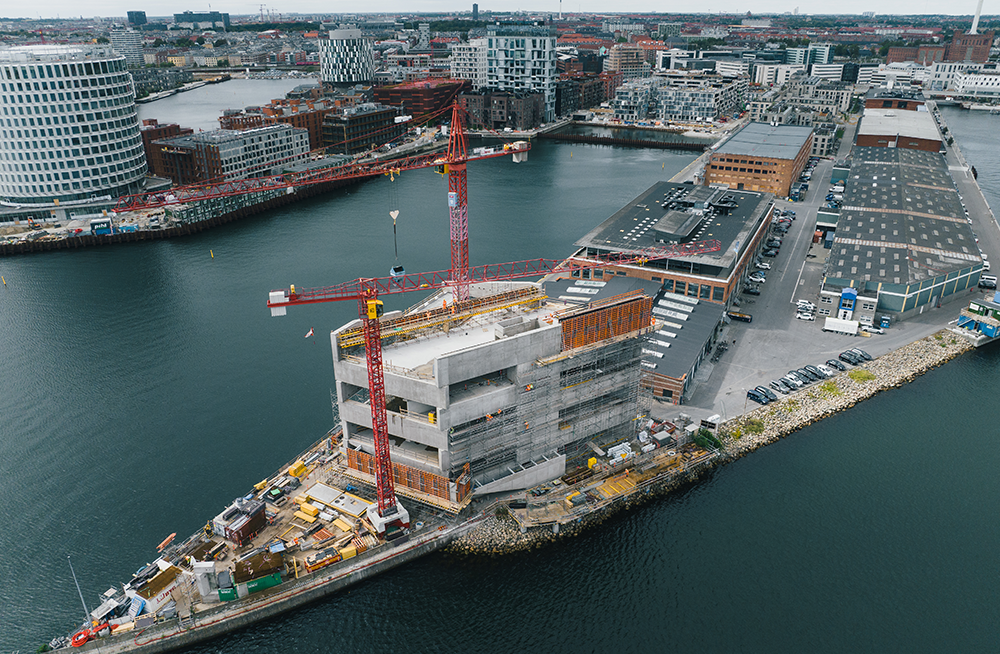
[(975, 20)]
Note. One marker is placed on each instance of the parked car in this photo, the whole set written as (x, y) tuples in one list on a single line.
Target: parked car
[(766, 392), (861, 353), (770, 253), (757, 276), (811, 376), (872, 329), (801, 377), (805, 305), (757, 397), (851, 358), (780, 386), (763, 265), (826, 370), (816, 371), (792, 384), (833, 363), (751, 290), (805, 316)]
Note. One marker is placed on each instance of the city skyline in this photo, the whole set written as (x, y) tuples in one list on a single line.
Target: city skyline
[(115, 8)]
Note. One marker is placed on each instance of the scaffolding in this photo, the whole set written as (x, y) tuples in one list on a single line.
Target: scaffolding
[(563, 403)]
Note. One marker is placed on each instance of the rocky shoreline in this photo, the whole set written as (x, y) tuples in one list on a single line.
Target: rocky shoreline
[(500, 533)]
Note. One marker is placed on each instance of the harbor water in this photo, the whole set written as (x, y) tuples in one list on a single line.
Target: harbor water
[(144, 386)]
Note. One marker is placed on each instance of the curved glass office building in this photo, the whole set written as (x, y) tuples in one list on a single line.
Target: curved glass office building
[(68, 125)]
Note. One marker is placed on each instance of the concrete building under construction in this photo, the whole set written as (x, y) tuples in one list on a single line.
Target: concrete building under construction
[(499, 392)]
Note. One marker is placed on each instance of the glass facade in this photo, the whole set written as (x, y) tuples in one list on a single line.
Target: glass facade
[(69, 129)]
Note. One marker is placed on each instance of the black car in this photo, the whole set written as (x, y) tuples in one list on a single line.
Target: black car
[(751, 290), (757, 397), (774, 243), (861, 353), (850, 357), (816, 371), (770, 253), (766, 392), (811, 376), (833, 363)]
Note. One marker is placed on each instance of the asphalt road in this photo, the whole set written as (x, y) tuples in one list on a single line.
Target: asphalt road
[(776, 342)]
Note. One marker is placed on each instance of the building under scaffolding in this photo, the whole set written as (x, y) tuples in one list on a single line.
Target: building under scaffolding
[(500, 392)]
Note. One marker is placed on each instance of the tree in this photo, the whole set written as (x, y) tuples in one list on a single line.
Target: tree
[(158, 42), (223, 63), (103, 39), (200, 40), (883, 50), (220, 43)]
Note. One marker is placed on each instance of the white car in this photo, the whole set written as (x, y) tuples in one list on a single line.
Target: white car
[(764, 265), (804, 306), (805, 316), (871, 329), (826, 370), (792, 382)]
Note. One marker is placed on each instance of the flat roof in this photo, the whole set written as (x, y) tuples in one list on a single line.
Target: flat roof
[(584, 291), (902, 220), (661, 208), (680, 341), (892, 122), (764, 140)]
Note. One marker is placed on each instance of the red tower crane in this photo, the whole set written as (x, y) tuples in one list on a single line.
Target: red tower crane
[(458, 205), (366, 292)]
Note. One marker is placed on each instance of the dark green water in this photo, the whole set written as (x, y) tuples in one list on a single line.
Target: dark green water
[(143, 387)]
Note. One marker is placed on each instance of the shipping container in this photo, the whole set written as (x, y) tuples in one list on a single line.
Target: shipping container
[(348, 552)]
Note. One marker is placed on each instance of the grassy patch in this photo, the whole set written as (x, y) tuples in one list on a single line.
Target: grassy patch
[(938, 336), (754, 426), (792, 404), (830, 388), (861, 375)]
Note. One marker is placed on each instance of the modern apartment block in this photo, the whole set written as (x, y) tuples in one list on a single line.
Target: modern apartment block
[(496, 393), (346, 57), (362, 127), (468, 62), (628, 59), (522, 59), (128, 44), (69, 125), (690, 97), (228, 154)]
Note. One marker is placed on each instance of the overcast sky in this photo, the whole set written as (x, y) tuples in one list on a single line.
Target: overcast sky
[(66, 8)]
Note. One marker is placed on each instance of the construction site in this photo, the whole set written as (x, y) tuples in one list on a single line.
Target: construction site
[(490, 387), (497, 393)]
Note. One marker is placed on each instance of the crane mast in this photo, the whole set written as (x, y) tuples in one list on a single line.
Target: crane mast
[(458, 206)]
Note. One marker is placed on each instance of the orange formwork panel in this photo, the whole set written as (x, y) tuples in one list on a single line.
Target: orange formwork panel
[(412, 478), (597, 324)]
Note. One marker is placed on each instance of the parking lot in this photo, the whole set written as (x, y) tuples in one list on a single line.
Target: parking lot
[(776, 342)]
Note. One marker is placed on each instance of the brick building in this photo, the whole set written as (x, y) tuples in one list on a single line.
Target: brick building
[(761, 157), (151, 131), (422, 97), (499, 110), (892, 128), (361, 128), (307, 115)]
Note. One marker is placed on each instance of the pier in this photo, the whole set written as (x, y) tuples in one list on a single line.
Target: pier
[(623, 142)]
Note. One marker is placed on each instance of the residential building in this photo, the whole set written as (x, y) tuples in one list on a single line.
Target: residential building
[(303, 114), (468, 62), (497, 110), (128, 44), (761, 157), (902, 239), (62, 145), (824, 140), (831, 72), (152, 80), (522, 59), (202, 20), (152, 131), (941, 75), (362, 127), (513, 399), (346, 57), (136, 18), (810, 90), (628, 59), (983, 84), (699, 97), (227, 154), (880, 98), (423, 97)]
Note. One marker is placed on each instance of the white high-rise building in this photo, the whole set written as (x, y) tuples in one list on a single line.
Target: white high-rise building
[(523, 59), (468, 61), (346, 57), (68, 124), (128, 44)]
